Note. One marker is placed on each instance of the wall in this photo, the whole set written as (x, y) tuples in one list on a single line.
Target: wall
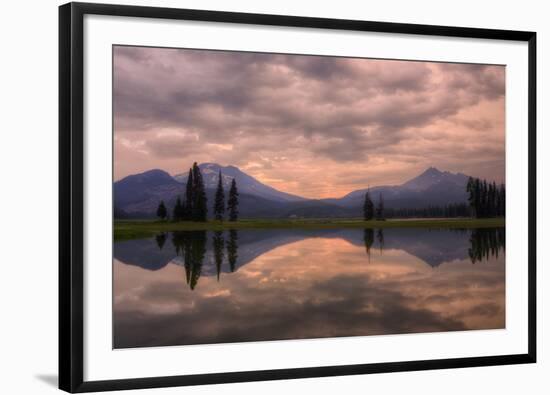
[(28, 158)]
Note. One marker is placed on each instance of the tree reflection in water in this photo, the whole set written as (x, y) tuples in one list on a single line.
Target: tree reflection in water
[(161, 239), (191, 246), (380, 237), (232, 249), (218, 243), (485, 243), (368, 237)]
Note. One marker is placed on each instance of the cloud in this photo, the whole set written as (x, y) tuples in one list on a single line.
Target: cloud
[(321, 112)]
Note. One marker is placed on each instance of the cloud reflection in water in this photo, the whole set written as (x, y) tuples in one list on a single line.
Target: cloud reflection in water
[(305, 285)]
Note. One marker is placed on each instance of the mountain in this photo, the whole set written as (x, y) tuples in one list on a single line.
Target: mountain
[(138, 196), (431, 188), (432, 177), (246, 184), (140, 186)]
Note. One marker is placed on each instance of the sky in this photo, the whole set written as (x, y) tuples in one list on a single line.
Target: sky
[(315, 126)]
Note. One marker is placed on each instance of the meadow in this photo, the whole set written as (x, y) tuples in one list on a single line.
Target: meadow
[(135, 229)]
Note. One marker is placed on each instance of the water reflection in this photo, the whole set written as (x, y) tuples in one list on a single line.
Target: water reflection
[(485, 243), (434, 247), (160, 239), (380, 237), (232, 249), (368, 237), (305, 283), (218, 243), (190, 250)]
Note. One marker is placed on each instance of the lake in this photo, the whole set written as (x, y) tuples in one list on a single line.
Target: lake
[(198, 287)]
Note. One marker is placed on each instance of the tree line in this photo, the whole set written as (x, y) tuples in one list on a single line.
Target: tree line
[(195, 205), (486, 199), (453, 210)]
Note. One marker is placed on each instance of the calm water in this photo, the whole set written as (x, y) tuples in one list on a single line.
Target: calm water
[(217, 287)]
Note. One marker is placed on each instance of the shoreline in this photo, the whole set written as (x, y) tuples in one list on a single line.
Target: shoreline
[(135, 229)]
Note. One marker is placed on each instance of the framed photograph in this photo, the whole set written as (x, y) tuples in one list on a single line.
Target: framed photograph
[(251, 197)]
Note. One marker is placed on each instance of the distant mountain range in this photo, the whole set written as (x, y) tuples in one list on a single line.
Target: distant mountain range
[(138, 196), (431, 188)]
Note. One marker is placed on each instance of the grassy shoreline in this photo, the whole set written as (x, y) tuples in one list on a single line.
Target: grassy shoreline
[(124, 230)]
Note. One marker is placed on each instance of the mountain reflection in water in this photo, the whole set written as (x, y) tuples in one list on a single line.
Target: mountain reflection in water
[(197, 287)]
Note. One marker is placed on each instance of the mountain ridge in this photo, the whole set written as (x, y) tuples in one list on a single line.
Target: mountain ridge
[(139, 194), (247, 184)]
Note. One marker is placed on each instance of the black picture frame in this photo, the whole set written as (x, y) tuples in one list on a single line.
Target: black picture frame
[(71, 173)]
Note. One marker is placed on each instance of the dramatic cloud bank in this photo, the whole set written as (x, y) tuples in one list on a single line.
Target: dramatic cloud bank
[(310, 125)]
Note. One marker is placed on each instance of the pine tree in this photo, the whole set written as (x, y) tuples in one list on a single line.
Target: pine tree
[(162, 213), (178, 208), (470, 188), (494, 203), (485, 198), (188, 211), (219, 202), (477, 198), (380, 209), (502, 205), (368, 208), (233, 202), (199, 209)]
